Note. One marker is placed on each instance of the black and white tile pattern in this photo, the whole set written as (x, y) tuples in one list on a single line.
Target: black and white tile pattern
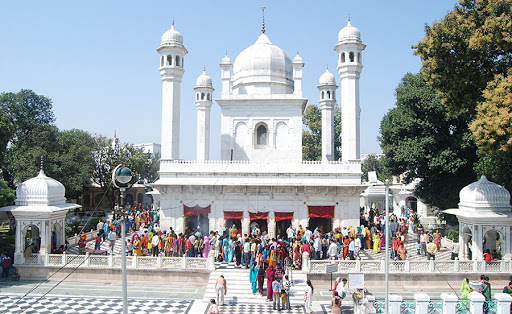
[(53, 304), (258, 309)]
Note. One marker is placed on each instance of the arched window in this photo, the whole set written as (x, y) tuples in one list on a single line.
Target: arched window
[(177, 61), (208, 96), (261, 135), (202, 96), (359, 57), (328, 95), (162, 60), (322, 95), (333, 95), (169, 60), (342, 57), (351, 56), (197, 96)]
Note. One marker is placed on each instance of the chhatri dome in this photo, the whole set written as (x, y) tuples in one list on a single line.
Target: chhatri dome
[(327, 78), (172, 37), (349, 32), (485, 195), (40, 191), (204, 80)]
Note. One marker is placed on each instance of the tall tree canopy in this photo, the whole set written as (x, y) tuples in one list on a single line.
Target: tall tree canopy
[(467, 58), (312, 136), (374, 163), (421, 139)]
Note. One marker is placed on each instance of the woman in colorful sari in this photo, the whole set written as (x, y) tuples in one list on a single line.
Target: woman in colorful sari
[(382, 240), (270, 277), (368, 238), (225, 249), (376, 242), (231, 249), (252, 277), (137, 246), (233, 231), (437, 239), (206, 246), (465, 289), (260, 277), (273, 258)]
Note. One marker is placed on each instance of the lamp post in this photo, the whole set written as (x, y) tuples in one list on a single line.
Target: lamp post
[(386, 257), (121, 177)]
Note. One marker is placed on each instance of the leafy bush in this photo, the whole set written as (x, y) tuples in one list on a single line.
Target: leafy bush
[(453, 234), (92, 224)]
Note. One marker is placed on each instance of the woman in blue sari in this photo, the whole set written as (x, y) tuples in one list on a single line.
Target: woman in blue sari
[(252, 277), (225, 249), (231, 252)]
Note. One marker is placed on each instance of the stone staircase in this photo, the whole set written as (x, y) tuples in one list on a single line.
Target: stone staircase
[(239, 287)]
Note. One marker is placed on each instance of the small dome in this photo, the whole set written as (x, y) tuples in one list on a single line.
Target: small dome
[(349, 32), (485, 195), (297, 59), (172, 37), (226, 60), (327, 79), (261, 65), (41, 191), (204, 80)]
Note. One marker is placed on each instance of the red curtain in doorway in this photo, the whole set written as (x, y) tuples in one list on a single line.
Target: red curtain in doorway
[(258, 215), (233, 215), (321, 211), (279, 216), (196, 210)]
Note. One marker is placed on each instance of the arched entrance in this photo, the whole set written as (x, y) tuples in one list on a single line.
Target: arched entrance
[(57, 228), (196, 218), (283, 221), (321, 217), (493, 242), (412, 203), (32, 235), (468, 244), (259, 220), (128, 199)]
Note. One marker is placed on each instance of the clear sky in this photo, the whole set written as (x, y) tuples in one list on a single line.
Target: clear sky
[(97, 60)]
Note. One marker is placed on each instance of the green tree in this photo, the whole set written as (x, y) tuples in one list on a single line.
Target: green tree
[(312, 136), (7, 194), (375, 163), (466, 57), (420, 139)]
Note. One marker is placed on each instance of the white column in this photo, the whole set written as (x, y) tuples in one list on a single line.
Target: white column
[(226, 76), (327, 130), (203, 130), (395, 301), (171, 96), (504, 300), (450, 301), (476, 302), (271, 225), (422, 300), (297, 75), (477, 243), (349, 116), (246, 223)]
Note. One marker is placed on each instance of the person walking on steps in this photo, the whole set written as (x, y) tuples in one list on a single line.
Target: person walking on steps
[(308, 297), (221, 289)]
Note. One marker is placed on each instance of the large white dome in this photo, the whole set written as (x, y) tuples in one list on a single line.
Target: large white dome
[(485, 195), (263, 65), (327, 79), (172, 37), (40, 191), (204, 80)]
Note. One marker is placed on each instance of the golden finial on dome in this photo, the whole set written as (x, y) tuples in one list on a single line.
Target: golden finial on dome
[(349, 17), (263, 24), (173, 21)]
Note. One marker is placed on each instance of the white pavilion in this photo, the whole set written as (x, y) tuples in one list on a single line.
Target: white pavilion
[(485, 219), (261, 178)]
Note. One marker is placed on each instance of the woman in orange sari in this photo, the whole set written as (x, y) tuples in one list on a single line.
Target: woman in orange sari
[(368, 238)]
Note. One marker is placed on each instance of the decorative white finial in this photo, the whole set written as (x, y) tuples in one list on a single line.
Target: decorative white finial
[(41, 171), (263, 24)]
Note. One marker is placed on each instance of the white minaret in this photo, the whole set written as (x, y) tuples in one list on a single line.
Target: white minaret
[(327, 87), (349, 49), (297, 75), (171, 52), (226, 67), (204, 90)]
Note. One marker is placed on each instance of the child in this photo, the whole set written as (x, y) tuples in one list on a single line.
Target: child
[(418, 246), (214, 309)]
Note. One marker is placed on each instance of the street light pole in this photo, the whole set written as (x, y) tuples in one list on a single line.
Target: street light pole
[(123, 253), (386, 257), (121, 177)]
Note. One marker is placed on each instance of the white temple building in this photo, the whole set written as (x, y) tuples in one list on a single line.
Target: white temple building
[(485, 220), (261, 177)]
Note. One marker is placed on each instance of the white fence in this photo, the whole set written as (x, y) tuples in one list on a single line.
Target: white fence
[(455, 266), (114, 261)]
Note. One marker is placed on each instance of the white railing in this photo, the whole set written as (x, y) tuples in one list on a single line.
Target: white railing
[(455, 266), (260, 162), (114, 261)]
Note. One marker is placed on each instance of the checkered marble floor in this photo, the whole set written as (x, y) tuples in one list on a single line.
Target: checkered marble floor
[(52, 304), (258, 309)]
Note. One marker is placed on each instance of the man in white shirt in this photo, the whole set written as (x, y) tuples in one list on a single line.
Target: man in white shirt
[(318, 246), (342, 288), (308, 234), (333, 248), (154, 242), (290, 233)]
